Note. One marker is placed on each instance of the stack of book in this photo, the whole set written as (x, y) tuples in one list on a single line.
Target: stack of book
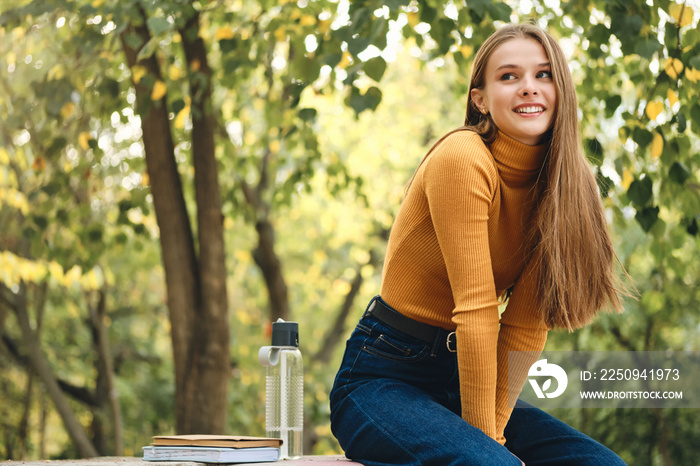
[(213, 449)]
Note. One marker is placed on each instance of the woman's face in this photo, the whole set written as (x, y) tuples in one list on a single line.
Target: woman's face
[(518, 90)]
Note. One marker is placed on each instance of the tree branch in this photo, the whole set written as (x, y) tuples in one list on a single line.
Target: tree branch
[(40, 365), (334, 334)]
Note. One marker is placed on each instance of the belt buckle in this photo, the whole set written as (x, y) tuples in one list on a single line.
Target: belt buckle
[(451, 337)]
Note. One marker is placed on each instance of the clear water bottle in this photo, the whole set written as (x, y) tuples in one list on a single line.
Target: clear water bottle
[(284, 388)]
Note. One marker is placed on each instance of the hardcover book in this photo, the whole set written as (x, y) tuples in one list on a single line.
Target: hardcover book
[(211, 454), (222, 441)]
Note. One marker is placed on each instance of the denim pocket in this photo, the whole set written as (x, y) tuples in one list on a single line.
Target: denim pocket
[(386, 342)]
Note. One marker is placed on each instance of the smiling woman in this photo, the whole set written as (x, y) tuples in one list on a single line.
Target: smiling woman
[(502, 209)]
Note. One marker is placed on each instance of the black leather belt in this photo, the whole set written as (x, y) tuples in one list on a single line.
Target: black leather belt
[(427, 333)]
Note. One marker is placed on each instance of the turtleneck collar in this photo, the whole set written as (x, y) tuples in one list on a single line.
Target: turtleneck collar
[(517, 159)]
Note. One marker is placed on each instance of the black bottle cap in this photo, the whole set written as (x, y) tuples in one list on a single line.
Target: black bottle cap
[(285, 333)]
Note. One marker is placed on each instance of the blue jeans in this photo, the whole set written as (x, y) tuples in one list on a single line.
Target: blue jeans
[(396, 401)]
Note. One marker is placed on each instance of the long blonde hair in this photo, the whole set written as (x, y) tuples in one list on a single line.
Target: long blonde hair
[(570, 242)]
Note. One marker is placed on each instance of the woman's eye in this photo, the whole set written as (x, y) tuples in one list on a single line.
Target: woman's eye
[(507, 77), (544, 74)]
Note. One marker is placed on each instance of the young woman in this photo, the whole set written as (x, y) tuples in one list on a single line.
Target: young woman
[(503, 209)]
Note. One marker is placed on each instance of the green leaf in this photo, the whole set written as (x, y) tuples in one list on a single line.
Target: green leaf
[(41, 222), (647, 48), (640, 191), (228, 45), (178, 105), (679, 173), (605, 184), (359, 18), (499, 11), (693, 227), (682, 122), (695, 62), (396, 4), (642, 137), (647, 217), (595, 151), (626, 27), (306, 69), (95, 233), (148, 49), (695, 116), (133, 41), (308, 114), (375, 68), (367, 101), (158, 25), (611, 104), (357, 45), (428, 14)]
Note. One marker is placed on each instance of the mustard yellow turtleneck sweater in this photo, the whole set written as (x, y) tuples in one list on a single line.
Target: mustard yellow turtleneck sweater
[(457, 244)]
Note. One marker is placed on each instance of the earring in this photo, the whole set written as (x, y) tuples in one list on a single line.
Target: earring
[(484, 111)]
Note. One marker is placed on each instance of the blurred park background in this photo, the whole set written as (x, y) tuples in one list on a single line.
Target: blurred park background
[(176, 174)]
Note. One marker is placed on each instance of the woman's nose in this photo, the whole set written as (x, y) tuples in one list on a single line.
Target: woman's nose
[(529, 87)]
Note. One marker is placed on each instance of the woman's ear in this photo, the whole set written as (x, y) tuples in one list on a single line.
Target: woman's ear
[(479, 101)]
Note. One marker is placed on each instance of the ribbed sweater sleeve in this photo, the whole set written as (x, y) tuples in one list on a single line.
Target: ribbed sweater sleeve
[(459, 183)]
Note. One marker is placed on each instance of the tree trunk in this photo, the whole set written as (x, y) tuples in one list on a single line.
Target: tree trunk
[(196, 289), (210, 361)]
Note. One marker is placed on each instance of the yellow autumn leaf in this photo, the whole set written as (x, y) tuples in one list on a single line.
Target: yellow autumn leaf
[(682, 14), (413, 18), (250, 138), (92, 280), (654, 109), (307, 20), (673, 67), (56, 271), (657, 146), (138, 72), (692, 74), (31, 272), (175, 72), (67, 110), (182, 116), (324, 26), (274, 146), (466, 50), (627, 179), (4, 156), (672, 97), (346, 60), (72, 277), (84, 140), (56, 72), (159, 90), (225, 32), (281, 34), (145, 179)]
